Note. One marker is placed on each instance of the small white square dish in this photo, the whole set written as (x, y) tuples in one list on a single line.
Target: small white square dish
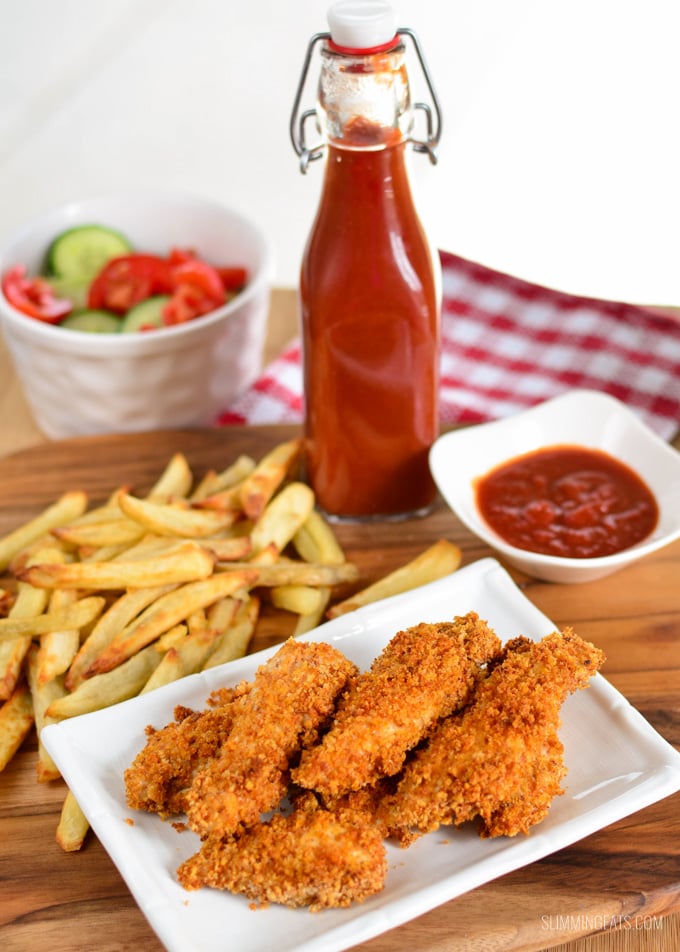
[(617, 764), (584, 418)]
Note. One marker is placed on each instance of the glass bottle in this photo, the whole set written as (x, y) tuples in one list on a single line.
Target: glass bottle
[(370, 304)]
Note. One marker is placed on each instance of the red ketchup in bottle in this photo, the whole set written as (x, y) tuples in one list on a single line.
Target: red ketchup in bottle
[(369, 287)]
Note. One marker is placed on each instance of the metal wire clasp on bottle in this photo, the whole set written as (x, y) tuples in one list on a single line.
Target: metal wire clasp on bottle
[(299, 120)]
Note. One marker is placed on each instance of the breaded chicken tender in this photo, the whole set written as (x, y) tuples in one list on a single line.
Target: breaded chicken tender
[(363, 804), (500, 760), (163, 770), (308, 858), (447, 726), (424, 673), (291, 698)]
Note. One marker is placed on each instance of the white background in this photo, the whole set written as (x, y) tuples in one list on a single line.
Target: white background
[(560, 159)]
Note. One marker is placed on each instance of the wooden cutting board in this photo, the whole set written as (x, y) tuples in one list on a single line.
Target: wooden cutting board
[(60, 902)]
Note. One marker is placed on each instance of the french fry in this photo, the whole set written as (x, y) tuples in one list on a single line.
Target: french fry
[(58, 648), (67, 507), (222, 613), (28, 603), (43, 694), (267, 556), (170, 669), (81, 614), (310, 620), (16, 720), (315, 541), (230, 550), (227, 500), (104, 516), (24, 557), (12, 654), (116, 532), (120, 614), (214, 483), (73, 825), (288, 572), (171, 637), (234, 640), (259, 487), (103, 553), (438, 560), (103, 690), (167, 611), (109, 512), (175, 480), (149, 545), (197, 621), (215, 621), (299, 599), (187, 562), (185, 657), (282, 517), (175, 519), (206, 485), (224, 490)]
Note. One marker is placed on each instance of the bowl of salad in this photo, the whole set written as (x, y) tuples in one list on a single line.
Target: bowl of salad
[(135, 311)]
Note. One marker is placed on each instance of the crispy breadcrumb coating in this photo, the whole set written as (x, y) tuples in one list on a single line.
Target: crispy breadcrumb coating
[(290, 700), (444, 728), (423, 674), (308, 858), (163, 770), (499, 760), (363, 805)]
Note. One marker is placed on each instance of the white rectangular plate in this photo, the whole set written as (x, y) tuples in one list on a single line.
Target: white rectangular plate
[(617, 765)]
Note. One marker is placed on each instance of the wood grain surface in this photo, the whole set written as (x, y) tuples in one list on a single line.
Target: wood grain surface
[(627, 874)]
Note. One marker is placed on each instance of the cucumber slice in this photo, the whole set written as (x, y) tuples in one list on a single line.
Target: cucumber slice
[(82, 251), (145, 315), (95, 322)]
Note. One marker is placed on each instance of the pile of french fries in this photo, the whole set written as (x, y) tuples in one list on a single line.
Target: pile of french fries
[(100, 604)]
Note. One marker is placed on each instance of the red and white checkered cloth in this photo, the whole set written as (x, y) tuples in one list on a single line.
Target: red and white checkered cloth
[(508, 344)]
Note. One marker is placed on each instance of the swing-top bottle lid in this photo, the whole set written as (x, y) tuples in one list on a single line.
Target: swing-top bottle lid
[(362, 24)]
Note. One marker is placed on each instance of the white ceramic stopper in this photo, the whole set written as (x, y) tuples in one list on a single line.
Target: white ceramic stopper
[(361, 25)]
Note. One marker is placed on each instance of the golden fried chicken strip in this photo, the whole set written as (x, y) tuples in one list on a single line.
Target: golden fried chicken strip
[(291, 698), (363, 805), (501, 759), (163, 770), (308, 858), (423, 674)]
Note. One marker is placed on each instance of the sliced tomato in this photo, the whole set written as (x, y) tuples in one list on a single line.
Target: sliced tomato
[(200, 276), (186, 303), (180, 255), (198, 289), (34, 296), (232, 279), (195, 287), (127, 280)]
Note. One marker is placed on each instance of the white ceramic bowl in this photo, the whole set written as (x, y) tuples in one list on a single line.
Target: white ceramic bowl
[(79, 383), (582, 417)]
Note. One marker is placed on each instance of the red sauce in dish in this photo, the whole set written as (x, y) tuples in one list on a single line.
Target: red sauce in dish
[(567, 501)]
